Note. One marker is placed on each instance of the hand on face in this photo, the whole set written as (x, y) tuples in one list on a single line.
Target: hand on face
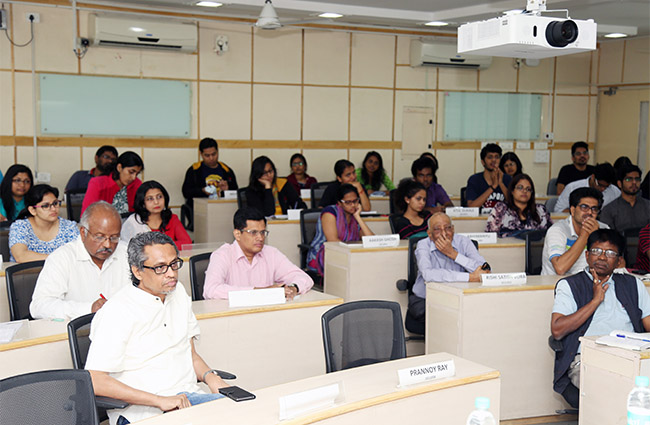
[(443, 244), (266, 181), (589, 225), (599, 288)]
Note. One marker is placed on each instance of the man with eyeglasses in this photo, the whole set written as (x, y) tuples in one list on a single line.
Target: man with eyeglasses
[(80, 276), (105, 158), (248, 263), (566, 240), (578, 170), (630, 210), (595, 301), (603, 179)]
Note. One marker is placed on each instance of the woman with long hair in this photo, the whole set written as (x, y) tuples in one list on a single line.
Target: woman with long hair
[(510, 164), (372, 175), (15, 185), (299, 178), (345, 174), (411, 200), (117, 188), (269, 193)]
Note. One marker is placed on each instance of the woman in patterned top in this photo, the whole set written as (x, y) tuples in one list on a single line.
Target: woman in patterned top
[(411, 198), (519, 213), (39, 230)]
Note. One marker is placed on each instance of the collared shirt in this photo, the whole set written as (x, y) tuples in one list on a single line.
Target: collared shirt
[(229, 270), (71, 282), (434, 266), (621, 215), (612, 192), (145, 344), (609, 315), (559, 239)]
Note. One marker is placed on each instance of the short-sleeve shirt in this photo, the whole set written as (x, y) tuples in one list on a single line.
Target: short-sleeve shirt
[(21, 231), (569, 173), (436, 195), (476, 186), (18, 207)]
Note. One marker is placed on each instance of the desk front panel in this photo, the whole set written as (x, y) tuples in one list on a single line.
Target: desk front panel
[(213, 220)]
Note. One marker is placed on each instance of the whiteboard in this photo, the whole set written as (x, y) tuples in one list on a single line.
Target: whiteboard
[(108, 106), (492, 116)]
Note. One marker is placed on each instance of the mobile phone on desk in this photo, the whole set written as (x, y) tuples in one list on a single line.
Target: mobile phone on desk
[(236, 393)]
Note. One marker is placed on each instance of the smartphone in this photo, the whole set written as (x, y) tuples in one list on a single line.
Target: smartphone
[(236, 393)]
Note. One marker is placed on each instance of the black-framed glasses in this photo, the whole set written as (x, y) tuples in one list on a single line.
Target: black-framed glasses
[(48, 205), (585, 208), (350, 202), (255, 233), (609, 253), (632, 179), (162, 269)]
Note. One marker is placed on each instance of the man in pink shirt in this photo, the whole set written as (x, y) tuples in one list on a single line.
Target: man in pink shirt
[(249, 264)]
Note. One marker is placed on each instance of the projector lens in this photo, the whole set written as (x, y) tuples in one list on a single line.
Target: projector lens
[(561, 33)]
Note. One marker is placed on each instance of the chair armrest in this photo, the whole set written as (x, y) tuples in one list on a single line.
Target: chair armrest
[(110, 403), (556, 345), (402, 284), (304, 247), (225, 375)]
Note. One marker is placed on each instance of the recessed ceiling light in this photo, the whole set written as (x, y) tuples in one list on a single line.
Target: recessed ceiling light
[(615, 35), (209, 4), (330, 15), (436, 24)]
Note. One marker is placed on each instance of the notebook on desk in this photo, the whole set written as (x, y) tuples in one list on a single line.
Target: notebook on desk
[(627, 340)]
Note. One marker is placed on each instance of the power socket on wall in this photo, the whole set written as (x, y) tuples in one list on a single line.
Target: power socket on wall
[(37, 17)]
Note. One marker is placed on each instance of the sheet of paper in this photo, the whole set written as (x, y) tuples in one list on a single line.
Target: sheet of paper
[(256, 297), (8, 331)]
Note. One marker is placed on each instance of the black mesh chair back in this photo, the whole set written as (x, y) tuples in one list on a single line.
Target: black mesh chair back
[(391, 221), (391, 201), (21, 280), (73, 201), (631, 245), (551, 187), (241, 197), (61, 397), (79, 339), (4, 244), (359, 333), (534, 246), (317, 190), (463, 196), (308, 224), (198, 266)]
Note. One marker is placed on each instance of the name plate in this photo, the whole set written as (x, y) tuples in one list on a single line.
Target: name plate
[(293, 214), (415, 375), (380, 241), (487, 237), (503, 279), (305, 194), (256, 297), (229, 194), (462, 212), (297, 404)]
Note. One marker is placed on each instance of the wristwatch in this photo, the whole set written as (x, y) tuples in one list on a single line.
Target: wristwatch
[(295, 286), (214, 371)]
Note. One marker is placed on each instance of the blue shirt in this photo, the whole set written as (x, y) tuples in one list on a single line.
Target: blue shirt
[(21, 231)]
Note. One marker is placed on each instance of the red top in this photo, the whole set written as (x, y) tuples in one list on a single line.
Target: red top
[(104, 188), (177, 232)]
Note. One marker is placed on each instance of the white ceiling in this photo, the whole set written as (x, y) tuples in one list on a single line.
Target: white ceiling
[(410, 14)]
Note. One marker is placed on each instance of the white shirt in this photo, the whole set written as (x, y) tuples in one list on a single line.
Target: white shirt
[(612, 192), (71, 282), (559, 239), (145, 344), (132, 227)]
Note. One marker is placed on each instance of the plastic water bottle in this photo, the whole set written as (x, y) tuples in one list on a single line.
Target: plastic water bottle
[(638, 402), (481, 416)]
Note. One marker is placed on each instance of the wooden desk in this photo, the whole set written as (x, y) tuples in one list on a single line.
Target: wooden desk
[(371, 396), (213, 219), (477, 224), (381, 204)]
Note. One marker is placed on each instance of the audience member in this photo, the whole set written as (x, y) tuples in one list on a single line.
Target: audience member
[(519, 213), (433, 158), (566, 240), (248, 263), (13, 189), (119, 187), (142, 341), (269, 193), (630, 210), (411, 200), (39, 230), (372, 175), (578, 170), (340, 222), (487, 188), (299, 178), (510, 164), (105, 158), (344, 171), (79, 276), (643, 250), (603, 179), (424, 170), (152, 213), (595, 301), (621, 161)]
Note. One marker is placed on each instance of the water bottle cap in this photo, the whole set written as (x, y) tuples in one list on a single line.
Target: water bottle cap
[(642, 381), (483, 402)]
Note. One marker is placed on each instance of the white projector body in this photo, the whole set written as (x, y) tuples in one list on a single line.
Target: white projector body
[(525, 36)]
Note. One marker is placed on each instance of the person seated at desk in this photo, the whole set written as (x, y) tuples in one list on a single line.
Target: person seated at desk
[(519, 213), (424, 170), (578, 170), (78, 277), (411, 199), (13, 189), (345, 174), (142, 340), (595, 301), (566, 239), (299, 178), (372, 175), (630, 210), (510, 164), (119, 187), (248, 263), (105, 157), (39, 230), (269, 193), (340, 222), (442, 257), (603, 179), (152, 213), (489, 187), (643, 250)]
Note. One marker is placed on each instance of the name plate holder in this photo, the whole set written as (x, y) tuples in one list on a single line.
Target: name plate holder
[(293, 214), (428, 372), (503, 279), (256, 297), (380, 241), (462, 212), (296, 404), (481, 238), (229, 194), (305, 194)]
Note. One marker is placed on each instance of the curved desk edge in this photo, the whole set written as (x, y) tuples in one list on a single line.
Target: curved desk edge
[(34, 341), (514, 288), (264, 309)]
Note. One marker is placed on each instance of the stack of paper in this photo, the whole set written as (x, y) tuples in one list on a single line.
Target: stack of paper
[(627, 340)]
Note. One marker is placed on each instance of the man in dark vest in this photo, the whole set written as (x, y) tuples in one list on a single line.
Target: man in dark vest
[(595, 301)]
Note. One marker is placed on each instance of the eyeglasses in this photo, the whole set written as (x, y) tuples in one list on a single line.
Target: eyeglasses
[(441, 229), (110, 157), (585, 208), (350, 202), (154, 198), (297, 164), (162, 269), (522, 188), (102, 238), (19, 181), (597, 252), (48, 205), (632, 179), (255, 233), (581, 153)]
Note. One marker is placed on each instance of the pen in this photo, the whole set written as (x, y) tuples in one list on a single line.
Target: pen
[(103, 297), (639, 339)]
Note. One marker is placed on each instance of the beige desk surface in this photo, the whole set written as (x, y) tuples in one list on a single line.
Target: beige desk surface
[(371, 396), (477, 224)]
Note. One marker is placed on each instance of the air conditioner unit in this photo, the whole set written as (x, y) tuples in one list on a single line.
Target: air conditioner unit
[(445, 54), (118, 31)]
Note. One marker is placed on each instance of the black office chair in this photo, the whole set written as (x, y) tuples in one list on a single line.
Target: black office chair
[(392, 222), (571, 394), (317, 190), (392, 204), (463, 196), (534, 247), (551, 187), (62, 397), (631, 245), (241, 198), (308, 222), (360, 333), (73, 201), (4, 244), (187, 217), (198, 266), (410, 323), (21, 280), (550, 204)]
